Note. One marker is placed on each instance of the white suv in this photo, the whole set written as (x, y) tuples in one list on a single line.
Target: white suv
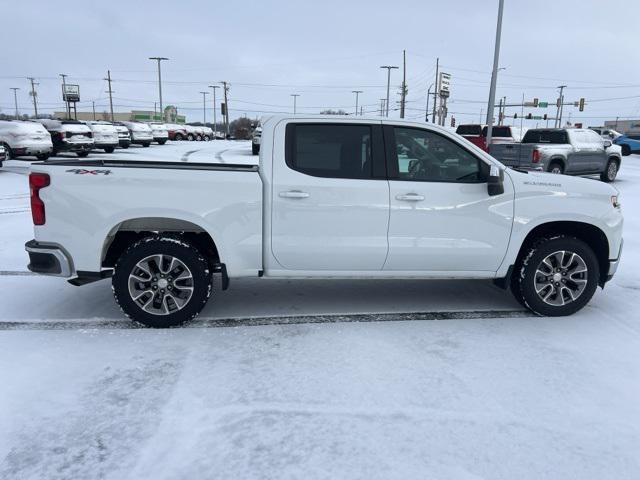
[(160, 132), (105, 135), (141, 133), (25, 138)]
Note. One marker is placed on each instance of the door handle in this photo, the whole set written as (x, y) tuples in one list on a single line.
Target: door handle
[(410, 197), (294, 194)]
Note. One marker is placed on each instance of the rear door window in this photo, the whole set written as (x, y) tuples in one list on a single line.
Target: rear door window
[(326, 150)]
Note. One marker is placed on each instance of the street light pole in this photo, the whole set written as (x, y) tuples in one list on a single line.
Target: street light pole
[(159, 59), (389, 68), (357, 92), (559, 110), (295, 97), (215, 122), (15, 98), (204, 107), (494, 74), (426, 117)]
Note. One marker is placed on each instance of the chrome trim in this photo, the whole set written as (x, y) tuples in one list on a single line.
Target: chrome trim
[(63, 260), (613, 264)]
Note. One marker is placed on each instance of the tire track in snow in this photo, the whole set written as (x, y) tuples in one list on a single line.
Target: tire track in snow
[(210, 322)]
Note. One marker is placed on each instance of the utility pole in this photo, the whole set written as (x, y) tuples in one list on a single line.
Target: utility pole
[(389, 68), (93, 107), (500, 113), (494, 74), (559, 109), (215, 122), (64, 94), (295, 97), (204, 107), (357, 92), (15, 99), (226, 107), (110, 92), (34, 94), (159, 59), (433, 116), (403, 98), (382, 107)]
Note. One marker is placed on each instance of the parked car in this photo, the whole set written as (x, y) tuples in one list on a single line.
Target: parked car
[(124, 137), (630, 143), (21, 139), (207, 134), (193, 133), (69, 136), (141, 133), (255, 140), (331, 197), (105, 135), (160, 132), (572, 151), (176, 131), (473, 133)]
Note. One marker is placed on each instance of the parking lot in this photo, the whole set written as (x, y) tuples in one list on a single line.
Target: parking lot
[(368, 379)]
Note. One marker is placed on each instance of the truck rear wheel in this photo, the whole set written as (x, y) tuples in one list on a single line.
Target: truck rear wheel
[(558, 276), (555, 167), (162, 281)]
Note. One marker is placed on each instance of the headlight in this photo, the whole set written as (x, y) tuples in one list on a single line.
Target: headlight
[(614, 201)]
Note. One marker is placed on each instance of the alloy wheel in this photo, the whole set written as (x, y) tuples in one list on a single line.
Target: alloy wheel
[(560, 278)]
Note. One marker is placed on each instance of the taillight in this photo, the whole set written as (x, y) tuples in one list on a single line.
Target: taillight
[(38, 181), (535, 155)]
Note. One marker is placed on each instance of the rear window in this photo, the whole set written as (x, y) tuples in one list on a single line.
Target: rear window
[(469, 130), (545, 136), (497, 132), (325, 150)]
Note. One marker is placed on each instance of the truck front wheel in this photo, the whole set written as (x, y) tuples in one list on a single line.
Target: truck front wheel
[(558, 276), (162, 281)]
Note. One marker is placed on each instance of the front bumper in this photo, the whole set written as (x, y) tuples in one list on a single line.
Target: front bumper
[(48, 260), (613, 264)]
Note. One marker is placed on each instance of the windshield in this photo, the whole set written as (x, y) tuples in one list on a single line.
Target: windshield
[(545, 136)]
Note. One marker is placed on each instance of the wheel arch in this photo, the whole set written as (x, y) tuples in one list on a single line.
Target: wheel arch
[(557, 159), (129, 231), (588, 233)]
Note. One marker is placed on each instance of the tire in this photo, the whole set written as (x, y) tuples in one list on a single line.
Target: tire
[(576, 274), (109, 149), (146, 144), (206, 138), (255, 149), (126, 145), (190, 137), (161, 142), (626, 150), (178, 137), (8, 153), (198, 138), (82, 154), (42, 156), (151, 308), (556, 167), (609, 175)]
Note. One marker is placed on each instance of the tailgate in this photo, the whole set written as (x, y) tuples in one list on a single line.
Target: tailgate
[(509, 154)]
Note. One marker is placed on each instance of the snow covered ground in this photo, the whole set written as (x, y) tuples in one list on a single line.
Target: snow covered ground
[(439, 380)]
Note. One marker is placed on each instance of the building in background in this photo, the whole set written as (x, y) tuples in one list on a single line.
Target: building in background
[(170, 116), (624, 126)]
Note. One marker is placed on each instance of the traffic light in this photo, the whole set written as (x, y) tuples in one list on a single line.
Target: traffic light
[(453, 121), (581, 105), (558, 102), (529, 116), (544, 117), (223, 108), (535, 102), (515, 115)]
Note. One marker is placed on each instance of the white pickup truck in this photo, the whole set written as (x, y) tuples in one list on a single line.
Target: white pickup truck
[(331, 197)]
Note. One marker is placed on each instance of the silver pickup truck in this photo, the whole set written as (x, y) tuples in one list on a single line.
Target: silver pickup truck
[(572, 151)]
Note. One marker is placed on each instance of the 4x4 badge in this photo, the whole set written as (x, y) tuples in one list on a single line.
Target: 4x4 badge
[(84, 171)]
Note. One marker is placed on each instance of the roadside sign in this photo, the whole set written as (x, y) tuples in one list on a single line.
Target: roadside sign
[(543, 104), (71, 93), (444, 84)]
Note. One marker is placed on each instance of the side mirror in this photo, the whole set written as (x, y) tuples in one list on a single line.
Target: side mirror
[(607, 143), (495, 183)]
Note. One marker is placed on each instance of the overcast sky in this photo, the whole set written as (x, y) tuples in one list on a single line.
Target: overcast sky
[(322, 50)]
